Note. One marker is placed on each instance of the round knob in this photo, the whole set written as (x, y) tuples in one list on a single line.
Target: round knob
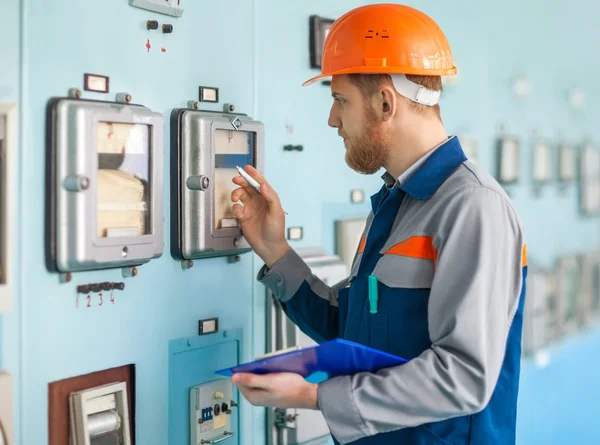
[(76, 183), (198, 182)]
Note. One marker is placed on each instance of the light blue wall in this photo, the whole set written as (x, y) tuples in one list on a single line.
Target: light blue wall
[(256, 52)]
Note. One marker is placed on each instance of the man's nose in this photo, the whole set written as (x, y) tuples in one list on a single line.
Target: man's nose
[(334, 120)]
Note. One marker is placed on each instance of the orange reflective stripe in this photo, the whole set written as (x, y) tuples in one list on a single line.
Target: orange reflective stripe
[(524, 255), (361, 246), (416, 247)]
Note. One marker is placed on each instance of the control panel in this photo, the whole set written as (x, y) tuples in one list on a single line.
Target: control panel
[(206, 148), (210, 412), (104, 184)]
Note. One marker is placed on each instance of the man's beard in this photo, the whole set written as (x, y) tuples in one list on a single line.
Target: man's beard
[(367, 153)]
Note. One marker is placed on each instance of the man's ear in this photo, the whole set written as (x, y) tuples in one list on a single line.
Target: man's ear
[(389, 103)]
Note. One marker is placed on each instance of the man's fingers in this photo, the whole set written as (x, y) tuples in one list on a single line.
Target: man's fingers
[(265, 189), (249, 380), (239, 212), (245, 185), (241, 194)]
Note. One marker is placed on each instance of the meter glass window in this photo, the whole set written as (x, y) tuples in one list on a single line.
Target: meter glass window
[(232, 148), (124, 166)]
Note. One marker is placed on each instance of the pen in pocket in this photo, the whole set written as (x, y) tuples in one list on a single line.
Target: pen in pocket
[(373, 294)]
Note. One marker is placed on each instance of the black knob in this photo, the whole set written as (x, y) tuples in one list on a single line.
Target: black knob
[(152, 24), (119, 286), (224, 407), (217, 410), (83, 289), (167, 29)]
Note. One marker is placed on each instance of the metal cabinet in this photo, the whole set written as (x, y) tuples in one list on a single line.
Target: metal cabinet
[(295, 427)]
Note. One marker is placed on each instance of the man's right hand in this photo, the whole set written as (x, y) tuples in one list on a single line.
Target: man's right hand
[(262, 218)]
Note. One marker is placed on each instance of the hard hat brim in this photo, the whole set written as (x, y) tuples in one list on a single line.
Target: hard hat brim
[(383, 70)]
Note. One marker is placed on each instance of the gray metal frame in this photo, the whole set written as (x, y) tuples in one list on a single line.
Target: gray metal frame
[(77, 246), (298, 426), (199, 238), (79, 409)]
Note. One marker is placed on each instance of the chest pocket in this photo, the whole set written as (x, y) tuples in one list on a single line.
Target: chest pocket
[(405, 274), (409, 264)]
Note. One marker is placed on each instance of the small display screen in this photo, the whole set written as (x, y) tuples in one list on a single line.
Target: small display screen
[(124, 168), (232, 148)]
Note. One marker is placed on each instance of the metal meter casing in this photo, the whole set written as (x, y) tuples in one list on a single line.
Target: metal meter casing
[(72, 181), (193, 141)]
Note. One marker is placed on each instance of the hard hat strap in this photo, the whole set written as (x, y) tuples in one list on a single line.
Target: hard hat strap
[(416, 93)]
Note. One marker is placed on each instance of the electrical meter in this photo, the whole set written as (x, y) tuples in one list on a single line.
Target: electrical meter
[(206, 148), (105, 198)]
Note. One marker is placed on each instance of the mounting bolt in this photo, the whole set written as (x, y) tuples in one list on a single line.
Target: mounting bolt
[(124, 98), (229, 108), (75, 93), (194, 104), (76, 183), (130, 272), (65, 277), (198, 182), (187, 264)]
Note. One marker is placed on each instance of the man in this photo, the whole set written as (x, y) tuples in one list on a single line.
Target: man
[(443, 240)]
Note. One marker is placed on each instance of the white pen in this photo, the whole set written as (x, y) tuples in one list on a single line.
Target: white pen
[(252, 182)]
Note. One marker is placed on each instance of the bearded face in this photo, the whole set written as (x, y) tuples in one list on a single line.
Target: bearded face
[(367, 151)]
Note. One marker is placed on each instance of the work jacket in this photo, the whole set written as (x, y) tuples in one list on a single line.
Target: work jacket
[(448, 252)]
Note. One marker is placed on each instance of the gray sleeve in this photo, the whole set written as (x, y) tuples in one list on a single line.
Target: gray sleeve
[(287, 275), (474, 297)]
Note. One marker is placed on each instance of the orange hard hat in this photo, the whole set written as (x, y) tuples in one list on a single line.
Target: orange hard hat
[(386, 38)]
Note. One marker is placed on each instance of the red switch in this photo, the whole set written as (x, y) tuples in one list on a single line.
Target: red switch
[(148, 45)]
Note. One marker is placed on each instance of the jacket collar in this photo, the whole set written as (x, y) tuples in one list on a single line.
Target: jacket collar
[(425, 176)]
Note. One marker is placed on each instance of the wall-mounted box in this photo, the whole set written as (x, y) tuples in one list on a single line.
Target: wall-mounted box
[(211, 412), (6, 409), (8, 187), (67, 399), (508, 160), (348, 234), (104, 203), (206, 147), (167, 7), (100, 415)]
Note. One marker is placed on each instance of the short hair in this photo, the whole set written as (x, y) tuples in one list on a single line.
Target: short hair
[(369, 84)]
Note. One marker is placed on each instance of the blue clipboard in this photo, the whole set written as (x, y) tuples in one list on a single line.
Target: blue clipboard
[(320, 362)]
